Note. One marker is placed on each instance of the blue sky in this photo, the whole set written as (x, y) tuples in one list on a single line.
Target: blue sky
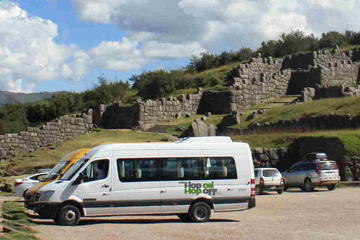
[(86, 35), (55, 45)]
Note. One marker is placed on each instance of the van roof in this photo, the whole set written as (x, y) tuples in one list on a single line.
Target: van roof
[(208, 143)]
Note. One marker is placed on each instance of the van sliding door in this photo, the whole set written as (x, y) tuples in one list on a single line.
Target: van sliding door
[(136, 189)]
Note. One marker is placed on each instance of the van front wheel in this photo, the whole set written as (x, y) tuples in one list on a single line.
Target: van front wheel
[(68, 215), (200, 212)]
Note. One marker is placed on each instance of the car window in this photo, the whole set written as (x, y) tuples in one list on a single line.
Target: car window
[(304, 167), (38, 177), (294, 168), (328, 166), (256, 173), (271, 173)]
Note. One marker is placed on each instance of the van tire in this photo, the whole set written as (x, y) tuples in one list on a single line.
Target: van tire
[(184, 217), (68, 215), (199, 212), (331, 187), (280, 191), (308, 185)]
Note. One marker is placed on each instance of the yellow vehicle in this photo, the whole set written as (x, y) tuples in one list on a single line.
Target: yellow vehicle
[(56, 172)]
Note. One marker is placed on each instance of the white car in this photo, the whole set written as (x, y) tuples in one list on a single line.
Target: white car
[(268, 179), (23, 184)]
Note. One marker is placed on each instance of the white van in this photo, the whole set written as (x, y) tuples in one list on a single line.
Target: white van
[(189, 178)]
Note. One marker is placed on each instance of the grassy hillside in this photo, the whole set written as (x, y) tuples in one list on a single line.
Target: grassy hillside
[(339, 106), (350, 138), (49, 156), (176, 127), (14, 97)]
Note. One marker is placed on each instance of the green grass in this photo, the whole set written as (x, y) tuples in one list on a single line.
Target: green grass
[(174, 126), (17, 219), (341, 106), (48, 156), (350, 138)]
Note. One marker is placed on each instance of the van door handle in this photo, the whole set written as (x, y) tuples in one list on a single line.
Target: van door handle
[(105, 186), (163, 191)]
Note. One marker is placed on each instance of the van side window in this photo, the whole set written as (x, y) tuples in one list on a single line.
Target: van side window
[(131, 170), (221, 168), (96, 170), (183, 168)]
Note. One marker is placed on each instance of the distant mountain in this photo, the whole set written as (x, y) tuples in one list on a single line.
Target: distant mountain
[(15, 97)]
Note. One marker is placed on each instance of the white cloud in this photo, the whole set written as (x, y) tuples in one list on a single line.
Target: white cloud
[(28, 53), (155, 29), (217, 25)]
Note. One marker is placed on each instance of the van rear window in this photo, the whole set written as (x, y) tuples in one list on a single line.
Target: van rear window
[(328, 166), (270, 173)]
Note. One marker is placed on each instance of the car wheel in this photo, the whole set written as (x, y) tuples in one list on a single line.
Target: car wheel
[(24, 194), (280, 191), (199, 212), (331, 187), (259, 190), (184, 217), (69, 215), (308, 186)]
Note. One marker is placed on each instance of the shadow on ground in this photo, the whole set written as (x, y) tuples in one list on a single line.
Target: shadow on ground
[(291, 191), (89, 221)]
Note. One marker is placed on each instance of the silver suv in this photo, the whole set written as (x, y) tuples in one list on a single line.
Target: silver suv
[(309, 174)]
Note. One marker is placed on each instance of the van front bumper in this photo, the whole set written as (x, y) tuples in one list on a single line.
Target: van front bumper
[(45, 210)]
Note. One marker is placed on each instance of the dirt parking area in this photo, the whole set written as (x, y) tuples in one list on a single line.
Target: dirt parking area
[(293, 215)]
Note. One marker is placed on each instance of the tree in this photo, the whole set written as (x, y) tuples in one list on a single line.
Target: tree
[(331, 40), (156, 84)]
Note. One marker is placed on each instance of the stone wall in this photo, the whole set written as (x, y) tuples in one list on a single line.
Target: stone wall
[(34, 138), (309, 94), (152, 111), (257, 82), (116, 116), (324, 68)]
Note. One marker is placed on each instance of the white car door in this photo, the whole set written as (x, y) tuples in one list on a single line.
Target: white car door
[(94, 188)]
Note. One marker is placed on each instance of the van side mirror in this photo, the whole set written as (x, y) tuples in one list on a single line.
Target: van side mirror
[(79, 179)]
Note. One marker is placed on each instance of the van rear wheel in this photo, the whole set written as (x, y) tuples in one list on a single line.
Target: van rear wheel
[(68, 215), (184, 217), (199, 212)]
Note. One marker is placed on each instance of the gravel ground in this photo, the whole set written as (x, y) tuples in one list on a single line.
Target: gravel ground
[(293, 215)]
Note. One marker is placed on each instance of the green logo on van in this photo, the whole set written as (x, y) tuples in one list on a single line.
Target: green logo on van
[(197, 188)]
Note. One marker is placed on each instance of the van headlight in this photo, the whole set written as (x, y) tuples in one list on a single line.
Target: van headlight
[(45, 195)]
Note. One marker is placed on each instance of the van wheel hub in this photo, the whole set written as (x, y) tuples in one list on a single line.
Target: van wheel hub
[(70, 215), (201, 213)]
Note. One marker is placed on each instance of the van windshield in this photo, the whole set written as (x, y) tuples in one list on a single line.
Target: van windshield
[(56, 170), (328, 166), (74, 169)]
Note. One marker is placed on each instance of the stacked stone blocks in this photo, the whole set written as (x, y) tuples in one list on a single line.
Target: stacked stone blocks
[(34, 138)]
